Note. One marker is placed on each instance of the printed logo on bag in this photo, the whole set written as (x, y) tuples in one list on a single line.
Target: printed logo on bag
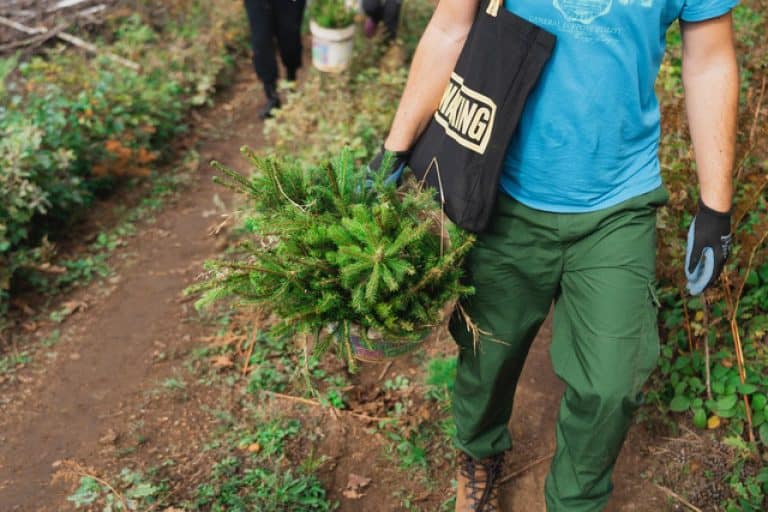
[(466, 115)]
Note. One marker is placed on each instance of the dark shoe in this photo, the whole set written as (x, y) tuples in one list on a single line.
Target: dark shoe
[(477, 489), (290, 75), (273, 101)]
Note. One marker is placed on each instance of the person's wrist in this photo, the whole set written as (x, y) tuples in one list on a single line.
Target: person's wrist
[(716, 211), (719, 202), (396, 147)]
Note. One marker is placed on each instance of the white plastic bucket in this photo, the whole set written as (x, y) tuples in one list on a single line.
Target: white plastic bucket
[(331, 47)]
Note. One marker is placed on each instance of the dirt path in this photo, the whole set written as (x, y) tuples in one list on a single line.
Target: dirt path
[(95, 385)]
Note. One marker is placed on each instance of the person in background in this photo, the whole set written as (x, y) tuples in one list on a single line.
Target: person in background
[(377, 11), (275, 21)]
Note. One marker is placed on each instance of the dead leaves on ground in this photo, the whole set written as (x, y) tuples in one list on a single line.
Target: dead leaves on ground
[(355, 484)]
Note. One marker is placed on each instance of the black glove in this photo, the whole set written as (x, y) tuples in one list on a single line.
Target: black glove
[(396, 162), (709, 242)]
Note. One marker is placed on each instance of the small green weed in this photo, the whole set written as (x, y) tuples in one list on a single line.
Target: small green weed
[(174, 384), (270, 437), (441, 373), (83, 270), (399, 383), (409, 449), (11, 362), (234, 487), (134, 491), (52, 338), (263, 479), (333, 398)]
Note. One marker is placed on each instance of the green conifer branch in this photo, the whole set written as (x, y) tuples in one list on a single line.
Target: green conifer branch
[(323, 249)]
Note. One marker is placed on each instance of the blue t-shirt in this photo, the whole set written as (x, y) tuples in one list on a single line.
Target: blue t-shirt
[(589, 134)]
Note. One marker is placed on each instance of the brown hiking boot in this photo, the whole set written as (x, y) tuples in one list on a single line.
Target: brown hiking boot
[(477, 489)]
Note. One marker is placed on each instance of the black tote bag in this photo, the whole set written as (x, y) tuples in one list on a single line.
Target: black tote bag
[(461, 152)]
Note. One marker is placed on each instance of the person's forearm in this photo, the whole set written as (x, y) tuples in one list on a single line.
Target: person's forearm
[(435, 58), (711, 96)]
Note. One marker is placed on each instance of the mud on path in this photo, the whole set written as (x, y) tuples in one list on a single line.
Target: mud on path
[(95, 389)]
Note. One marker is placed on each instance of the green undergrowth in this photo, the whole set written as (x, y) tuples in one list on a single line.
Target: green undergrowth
[(255, 474), (411, 413), (73, 128), (249, 471), (698, 381)]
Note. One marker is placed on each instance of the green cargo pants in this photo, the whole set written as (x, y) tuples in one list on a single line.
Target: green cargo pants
[(598, 268)]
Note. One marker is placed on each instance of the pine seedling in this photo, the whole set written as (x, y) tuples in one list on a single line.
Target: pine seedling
[(332, 252)]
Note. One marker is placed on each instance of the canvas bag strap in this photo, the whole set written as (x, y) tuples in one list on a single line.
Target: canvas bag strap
[(493, 8)]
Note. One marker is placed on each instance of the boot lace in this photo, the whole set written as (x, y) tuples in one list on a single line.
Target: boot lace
[(482, 489)]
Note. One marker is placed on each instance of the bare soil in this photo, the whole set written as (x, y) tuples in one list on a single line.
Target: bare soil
[(93, 397)]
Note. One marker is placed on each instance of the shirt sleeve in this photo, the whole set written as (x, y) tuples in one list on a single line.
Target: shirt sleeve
[(700, 10)]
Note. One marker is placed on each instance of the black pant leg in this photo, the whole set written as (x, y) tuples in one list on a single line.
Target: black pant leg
[(391, 16), (288, 15), (374, 9), (260, 18)]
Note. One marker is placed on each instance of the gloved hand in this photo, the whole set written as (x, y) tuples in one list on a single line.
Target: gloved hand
[(396, 162), (709, 242)]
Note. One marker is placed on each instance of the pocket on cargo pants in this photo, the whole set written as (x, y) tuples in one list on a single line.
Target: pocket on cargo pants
[(650, 348)]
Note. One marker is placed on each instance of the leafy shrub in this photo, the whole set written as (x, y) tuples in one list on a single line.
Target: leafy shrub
[(699, 372), (71, 126)]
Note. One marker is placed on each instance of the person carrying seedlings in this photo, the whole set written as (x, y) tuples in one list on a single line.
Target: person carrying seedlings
[(270, 21), (574, 224), (377, 11)]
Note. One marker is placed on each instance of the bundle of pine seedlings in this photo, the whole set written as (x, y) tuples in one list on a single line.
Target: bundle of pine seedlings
[(332, 251)]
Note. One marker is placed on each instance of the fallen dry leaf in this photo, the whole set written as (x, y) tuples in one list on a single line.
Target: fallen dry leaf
[(73, 306), (352, 494), (109, 438), (355, 483), (222, 362)]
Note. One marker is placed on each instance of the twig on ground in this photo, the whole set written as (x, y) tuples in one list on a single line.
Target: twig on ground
[(247, 362), (72, 467), (736, 335), (73, 40), (33, 41), (708, 378), (673, 494), (385, 370), (315, 403), (687, 317), (757, 112), (64, 4), (525, 468), (751, 204), (750, 263), (690, 432)]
